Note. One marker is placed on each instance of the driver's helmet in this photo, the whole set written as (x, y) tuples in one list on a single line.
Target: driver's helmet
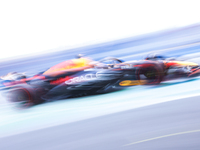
[(110, 62), (155, 56), (79, 55)]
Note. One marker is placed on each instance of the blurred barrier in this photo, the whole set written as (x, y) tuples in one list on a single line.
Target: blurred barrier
[(173, 43)]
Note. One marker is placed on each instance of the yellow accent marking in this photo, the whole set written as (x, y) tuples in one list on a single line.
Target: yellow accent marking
[(132, 82)]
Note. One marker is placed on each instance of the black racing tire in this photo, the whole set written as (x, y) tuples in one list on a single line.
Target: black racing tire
[(149, 74), (25, 95)]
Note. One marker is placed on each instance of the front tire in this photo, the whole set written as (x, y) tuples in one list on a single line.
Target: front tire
[(150, 74)]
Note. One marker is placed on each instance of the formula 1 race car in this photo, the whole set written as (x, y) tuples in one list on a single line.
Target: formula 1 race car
[(109, 74)]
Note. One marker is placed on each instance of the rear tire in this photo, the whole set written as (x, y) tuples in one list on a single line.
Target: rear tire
[(25, 95)]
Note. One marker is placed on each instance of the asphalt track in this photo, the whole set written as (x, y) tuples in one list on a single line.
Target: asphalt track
[(173, 125)]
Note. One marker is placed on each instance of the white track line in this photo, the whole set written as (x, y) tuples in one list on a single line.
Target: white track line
[(164, 136)]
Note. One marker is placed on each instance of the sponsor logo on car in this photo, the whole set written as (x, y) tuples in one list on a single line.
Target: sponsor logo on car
[(82, 78)]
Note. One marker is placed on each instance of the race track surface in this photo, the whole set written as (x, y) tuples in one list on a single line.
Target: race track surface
[(173, 125)]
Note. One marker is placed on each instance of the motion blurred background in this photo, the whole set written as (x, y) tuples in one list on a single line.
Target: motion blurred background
[(30, 28), (37, 34)]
